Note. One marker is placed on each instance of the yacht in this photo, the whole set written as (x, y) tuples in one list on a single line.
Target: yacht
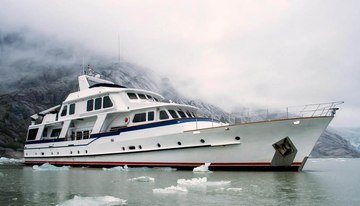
[(105, 124)]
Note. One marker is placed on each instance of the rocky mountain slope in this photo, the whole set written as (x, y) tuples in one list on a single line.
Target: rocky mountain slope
[(38, 73)]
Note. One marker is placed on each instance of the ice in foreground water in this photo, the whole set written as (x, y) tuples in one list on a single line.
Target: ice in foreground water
[(171, 190), (202, 168), (6, 161), (50, 167), (93, 201), (142, 179)]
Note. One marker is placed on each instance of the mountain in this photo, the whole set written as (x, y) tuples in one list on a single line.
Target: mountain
[(332, 145), (38, 72)]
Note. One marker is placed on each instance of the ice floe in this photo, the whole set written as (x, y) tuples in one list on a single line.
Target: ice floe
[(171, 190), (202, 168), (202, 182), (93, 201), (50, 167), (230, 190), (6, 161), (142, 179), (117, 168)]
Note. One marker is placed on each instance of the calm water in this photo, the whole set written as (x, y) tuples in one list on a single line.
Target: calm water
[(323, 182)]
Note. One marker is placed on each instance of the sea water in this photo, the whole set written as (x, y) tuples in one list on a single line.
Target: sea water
[(323, 182)]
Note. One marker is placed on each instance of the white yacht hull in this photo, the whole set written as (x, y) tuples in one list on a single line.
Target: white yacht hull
[(181, 145)]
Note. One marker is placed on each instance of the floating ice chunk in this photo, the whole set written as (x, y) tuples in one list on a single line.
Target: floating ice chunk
[(5, 161), (218, 183), (171, 190), (117, 168), (202, 182), (93, 201), (192, 182), (49, 167), (202, 168), (231, 190), (142, 179)]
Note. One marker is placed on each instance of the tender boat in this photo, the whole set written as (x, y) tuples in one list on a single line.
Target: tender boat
[(104, 124)]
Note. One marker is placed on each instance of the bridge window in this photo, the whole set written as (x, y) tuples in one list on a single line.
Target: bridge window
[(86, 134), (182, 114), (72, 109), (142, 96), (90, 105), (188, 114), (173, 114), (64, 111), (107, 102), (141, 117), (98, 103), (78, 135), (32, 134), (163, 115), (132, 96)]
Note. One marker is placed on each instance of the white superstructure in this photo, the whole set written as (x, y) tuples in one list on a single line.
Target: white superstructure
[(104, 124)]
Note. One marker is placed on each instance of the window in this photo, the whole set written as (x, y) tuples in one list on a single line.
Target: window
[(151, 116), (86, 134), (90, 105), (173, 114), (98, 103), (150, 97), (44, 134), (182, 114), (55, 132), (188, 114), (163, 115), (32, 134), (72, 109), (132, 96), (107, 102), (78, 135), (64, 111), (139, 117), (142, 96)]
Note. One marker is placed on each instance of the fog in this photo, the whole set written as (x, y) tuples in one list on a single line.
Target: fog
[(257, 54)]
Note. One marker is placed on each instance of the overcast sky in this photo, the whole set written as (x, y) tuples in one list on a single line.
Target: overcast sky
[(229, 53)]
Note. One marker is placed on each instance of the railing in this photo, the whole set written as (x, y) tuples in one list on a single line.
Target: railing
[(310, 110)]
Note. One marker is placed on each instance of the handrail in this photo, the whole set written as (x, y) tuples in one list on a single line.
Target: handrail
[(309, 110)]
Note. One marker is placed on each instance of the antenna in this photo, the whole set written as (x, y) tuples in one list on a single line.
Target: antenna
[(83, 66), (119, 48)]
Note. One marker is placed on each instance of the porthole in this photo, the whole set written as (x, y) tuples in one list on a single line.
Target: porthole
[(70, 152), (35, 153), (131, 147), (26, 154), (140, 147), (159, 145), (86, 151), (42, 153), (57, 152), (202, 141), (52, 153), (123, 148), (179, 143), (112, 140), (78, 152), (237, 138)]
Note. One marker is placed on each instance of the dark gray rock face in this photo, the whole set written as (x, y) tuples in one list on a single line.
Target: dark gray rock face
[(334, 146)]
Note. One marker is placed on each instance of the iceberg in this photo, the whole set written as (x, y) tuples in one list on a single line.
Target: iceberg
[(192, 182), (5, 161), (202, 168), (171, 190), (50, 167), (117, 168), (202, 182), (142, 179), (93, 201), (231, 190)]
